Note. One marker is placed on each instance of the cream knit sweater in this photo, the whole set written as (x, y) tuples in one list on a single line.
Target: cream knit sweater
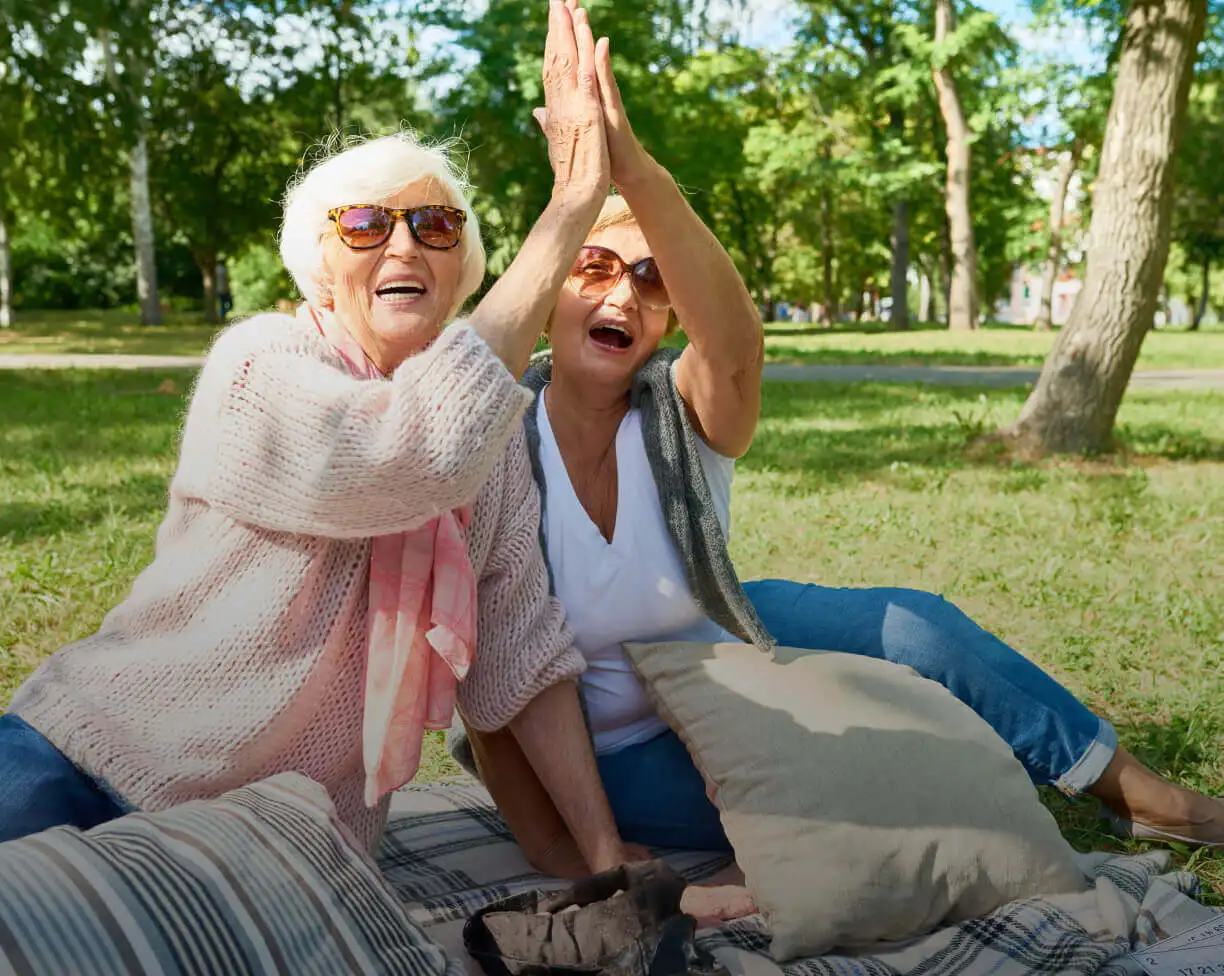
[(239, 652)]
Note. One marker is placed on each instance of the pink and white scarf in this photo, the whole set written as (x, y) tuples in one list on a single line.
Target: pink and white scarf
[(422, 621)]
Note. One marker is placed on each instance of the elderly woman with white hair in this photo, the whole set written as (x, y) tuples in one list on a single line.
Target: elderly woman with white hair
[(352, 526)]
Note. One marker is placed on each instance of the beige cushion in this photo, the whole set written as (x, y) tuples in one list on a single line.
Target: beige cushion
[(864, 803)]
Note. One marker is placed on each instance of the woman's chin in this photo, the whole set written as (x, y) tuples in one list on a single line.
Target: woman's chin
[(598, 364), (411, 331)]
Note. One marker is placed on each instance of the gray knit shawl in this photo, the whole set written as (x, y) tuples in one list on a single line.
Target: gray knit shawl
[(684, 493)]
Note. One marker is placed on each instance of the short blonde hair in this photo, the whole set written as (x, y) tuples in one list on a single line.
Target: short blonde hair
[(615, 211), (370, 171)]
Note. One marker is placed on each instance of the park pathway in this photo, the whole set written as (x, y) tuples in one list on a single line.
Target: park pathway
[(980, 376)]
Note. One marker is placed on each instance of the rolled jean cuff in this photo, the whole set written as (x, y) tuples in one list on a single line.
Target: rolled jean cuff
[(1091, 765)]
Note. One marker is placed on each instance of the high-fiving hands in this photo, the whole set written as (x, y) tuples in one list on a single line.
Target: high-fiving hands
[(589, 135), (572, 118)]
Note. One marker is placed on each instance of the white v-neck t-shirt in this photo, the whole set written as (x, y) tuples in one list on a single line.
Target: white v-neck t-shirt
[(630, 589)]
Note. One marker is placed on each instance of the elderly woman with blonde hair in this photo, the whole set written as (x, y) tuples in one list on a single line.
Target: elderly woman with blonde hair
[(351, 542)]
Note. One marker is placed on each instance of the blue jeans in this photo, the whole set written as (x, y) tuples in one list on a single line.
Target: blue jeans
[(41, 788), (658, 796)]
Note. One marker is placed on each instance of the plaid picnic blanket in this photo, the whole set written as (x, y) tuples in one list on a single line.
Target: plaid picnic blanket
[(448, 853)]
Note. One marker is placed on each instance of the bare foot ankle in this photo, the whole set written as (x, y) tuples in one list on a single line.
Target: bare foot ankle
[(711, 904), (1136, 793)]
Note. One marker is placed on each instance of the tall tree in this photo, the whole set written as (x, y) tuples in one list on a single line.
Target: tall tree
[(876, 38), (6, 276), (962, 295), (42, 164), (1076, 399), (1067, 165), (1077, 105), (1198, 218), (127, 39)]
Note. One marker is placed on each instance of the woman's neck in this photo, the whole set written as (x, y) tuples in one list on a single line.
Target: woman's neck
[(584, 414)]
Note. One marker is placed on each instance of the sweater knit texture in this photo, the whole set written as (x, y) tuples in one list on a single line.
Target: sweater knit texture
[(240, 651)]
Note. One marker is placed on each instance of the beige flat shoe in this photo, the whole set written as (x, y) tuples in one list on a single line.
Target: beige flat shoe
[(1135, 830)]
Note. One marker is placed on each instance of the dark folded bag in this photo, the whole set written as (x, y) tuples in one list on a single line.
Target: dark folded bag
[(625, 922)]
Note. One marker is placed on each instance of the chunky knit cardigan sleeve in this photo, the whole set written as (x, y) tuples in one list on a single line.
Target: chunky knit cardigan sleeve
[(524, 645), (299, 445)]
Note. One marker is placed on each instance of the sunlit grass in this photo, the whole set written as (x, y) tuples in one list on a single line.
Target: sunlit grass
[(992, 346), (109, 331), (1108, 573), (185, 334)]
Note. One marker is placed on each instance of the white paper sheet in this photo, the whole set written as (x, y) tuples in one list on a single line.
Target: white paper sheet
[(1196, 952)]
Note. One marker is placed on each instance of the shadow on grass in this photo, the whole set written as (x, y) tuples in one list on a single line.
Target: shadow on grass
[(875, 327), (872, 439), (830, 433), (1170, 444), (778, 352), (136, 496), (55, 418), (106, 331), (1180, 748)]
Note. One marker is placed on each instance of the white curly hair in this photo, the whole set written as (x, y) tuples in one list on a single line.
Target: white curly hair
[(370, 171)]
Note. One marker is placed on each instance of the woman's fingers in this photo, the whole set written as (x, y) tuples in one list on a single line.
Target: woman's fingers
[(573, 120), (560, 48), (585, 42), (609, 92)]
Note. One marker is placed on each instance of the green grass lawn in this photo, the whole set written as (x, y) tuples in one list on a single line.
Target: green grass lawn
[(1108, 574), (109, 331), (185, 334), (997, 345)]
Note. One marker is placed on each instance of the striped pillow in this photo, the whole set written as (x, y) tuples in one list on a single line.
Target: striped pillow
[(264, 879)]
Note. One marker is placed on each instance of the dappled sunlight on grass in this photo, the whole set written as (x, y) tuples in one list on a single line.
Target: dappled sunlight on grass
[(1106, 571), (992, 346), (110, 331), (185, 334)]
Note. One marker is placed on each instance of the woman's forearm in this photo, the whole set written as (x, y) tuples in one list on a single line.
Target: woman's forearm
[(705, 287), (512, 315), (553, 736)]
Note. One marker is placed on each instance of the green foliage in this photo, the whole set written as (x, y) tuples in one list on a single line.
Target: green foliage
[(56, 270), (796, 157), (258, 279), (1198, 215)]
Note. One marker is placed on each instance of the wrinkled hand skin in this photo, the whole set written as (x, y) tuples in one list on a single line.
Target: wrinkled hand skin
[(573, 118)]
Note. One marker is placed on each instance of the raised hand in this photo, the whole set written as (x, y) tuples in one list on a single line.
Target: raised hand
[(627, 158), (572, 117)]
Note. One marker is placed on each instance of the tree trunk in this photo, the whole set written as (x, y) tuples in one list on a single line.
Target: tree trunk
[(1066, 169), (770, 314), (142, 233), (207, 263), (898, 319), (943, 275), (828, 300), (138, 175), (1076, 400), (962, 302), (6, 277), (926, 298), (1204, 301)]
